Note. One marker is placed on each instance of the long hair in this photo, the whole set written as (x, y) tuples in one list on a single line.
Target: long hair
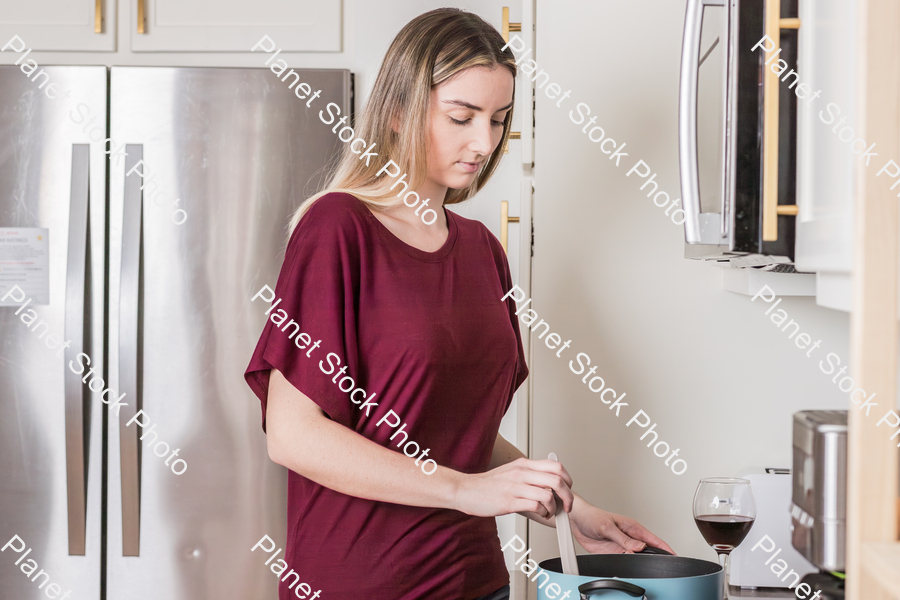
[(430, 49)]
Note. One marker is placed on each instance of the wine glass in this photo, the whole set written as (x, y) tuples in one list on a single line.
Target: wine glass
[(724, 511)]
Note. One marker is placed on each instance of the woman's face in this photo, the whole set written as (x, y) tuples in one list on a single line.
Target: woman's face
[(466, 118)]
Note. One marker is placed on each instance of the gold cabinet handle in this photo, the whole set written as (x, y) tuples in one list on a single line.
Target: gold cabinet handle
[(140, 11), (98, 16), (771, 209), (770, 128), (505, 220), (513, 135), (788, 209), (507, 26)]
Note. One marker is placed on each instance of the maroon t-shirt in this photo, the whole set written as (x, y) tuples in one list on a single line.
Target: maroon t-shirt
[(428, 334)]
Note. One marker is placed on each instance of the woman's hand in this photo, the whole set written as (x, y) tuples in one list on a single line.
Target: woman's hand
[(522, 485), (601, 532)]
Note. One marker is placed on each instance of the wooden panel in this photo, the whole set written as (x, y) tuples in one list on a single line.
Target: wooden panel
[(873, 458), (881, 570)]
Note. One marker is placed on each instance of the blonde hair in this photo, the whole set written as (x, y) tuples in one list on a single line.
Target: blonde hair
[(429, 50)]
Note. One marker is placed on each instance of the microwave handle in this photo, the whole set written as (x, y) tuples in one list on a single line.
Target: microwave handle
[(687, 118)]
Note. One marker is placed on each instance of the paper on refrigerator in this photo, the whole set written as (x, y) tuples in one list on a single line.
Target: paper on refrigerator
[(24, 261)]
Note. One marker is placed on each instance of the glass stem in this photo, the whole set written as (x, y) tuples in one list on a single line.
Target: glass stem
[(725, 562)]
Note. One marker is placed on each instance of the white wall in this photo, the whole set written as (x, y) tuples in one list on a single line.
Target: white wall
[(718, 378)]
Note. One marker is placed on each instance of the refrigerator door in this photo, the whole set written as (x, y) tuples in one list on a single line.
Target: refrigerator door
[(226, 156), (52, 233)]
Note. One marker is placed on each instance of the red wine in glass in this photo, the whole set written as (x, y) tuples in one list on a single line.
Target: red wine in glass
[(724, 532), (724, 511)]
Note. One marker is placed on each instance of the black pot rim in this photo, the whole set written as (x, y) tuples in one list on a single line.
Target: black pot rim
[(636, 566)]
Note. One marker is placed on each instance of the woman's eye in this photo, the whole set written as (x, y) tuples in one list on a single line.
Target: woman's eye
[(494, 123)]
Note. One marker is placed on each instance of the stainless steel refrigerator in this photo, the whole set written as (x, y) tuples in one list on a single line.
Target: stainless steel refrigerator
[(154, 287)]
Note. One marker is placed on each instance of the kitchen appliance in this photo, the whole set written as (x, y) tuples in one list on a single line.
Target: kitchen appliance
[(224, 157), (772, 490), (51, 428), (737, 134), (652, 574), (819, 508)]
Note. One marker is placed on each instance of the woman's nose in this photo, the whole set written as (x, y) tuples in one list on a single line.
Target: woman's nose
[(482, 141)]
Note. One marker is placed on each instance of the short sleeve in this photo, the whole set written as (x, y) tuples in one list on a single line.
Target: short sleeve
[(313, 317), (503, 272)]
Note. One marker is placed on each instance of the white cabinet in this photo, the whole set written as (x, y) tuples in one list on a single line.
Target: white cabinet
[(77, 25), (235, 25), (827, 166)]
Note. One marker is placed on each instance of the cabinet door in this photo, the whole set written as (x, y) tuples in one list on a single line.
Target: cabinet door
[(826, 164), (64, 25), (235, 26)]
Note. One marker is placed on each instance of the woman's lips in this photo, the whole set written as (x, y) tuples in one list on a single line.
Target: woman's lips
[(469, 167)]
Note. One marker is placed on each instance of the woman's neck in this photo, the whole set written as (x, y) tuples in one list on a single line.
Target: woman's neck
[(414, 229)]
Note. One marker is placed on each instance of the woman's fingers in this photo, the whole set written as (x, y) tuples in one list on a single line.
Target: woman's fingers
[(638, 531), (656, 542), (519, 486), (548, 474), (520, 505), (628, 543), (551, 466), (541, 495), (555, 483)]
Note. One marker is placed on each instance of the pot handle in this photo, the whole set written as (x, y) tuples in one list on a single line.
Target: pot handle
[(653, 550), (598, 585)]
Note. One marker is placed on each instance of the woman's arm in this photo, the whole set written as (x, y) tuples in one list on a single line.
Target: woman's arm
[(301, 437), (595, 529)]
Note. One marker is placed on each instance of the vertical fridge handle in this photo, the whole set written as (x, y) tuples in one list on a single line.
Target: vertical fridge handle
[(129, 300), (76, 264), (687, 118)]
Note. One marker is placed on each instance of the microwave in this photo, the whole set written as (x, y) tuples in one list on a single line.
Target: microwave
[(737, 133)]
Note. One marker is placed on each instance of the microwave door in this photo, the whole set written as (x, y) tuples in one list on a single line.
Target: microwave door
[(747, 129)]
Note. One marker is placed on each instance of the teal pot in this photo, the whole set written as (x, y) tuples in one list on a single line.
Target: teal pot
[(631, 577)]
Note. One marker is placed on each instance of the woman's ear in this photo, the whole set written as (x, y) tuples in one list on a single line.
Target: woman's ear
[(395, 124)]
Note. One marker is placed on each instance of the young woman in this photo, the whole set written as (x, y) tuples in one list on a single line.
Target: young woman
[(404, 343)]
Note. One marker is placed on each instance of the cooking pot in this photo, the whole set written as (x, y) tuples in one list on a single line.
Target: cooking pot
[(653, 574)]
